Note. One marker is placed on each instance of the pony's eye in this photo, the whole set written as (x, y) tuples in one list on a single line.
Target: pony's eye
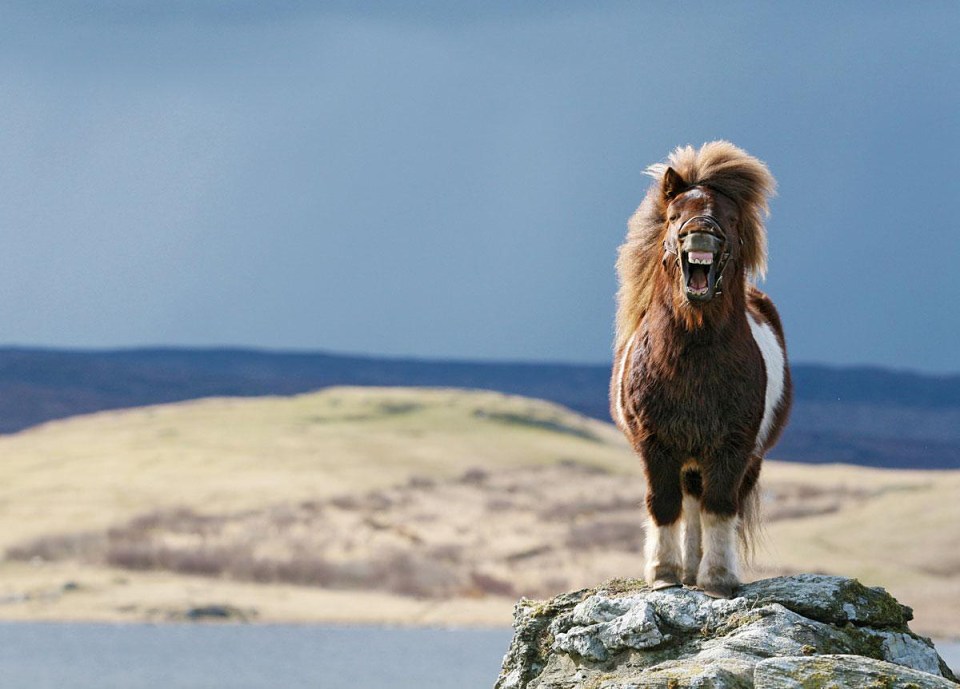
[(673, 218)]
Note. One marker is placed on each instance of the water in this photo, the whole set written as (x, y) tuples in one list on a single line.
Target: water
[(78, 656), (950, 652), (98, 656)]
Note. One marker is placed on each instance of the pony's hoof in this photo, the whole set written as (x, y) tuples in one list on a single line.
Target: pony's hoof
[(720, 591), (660, 584), (662, 576), (720, 588), (722, 584), (718, 582)]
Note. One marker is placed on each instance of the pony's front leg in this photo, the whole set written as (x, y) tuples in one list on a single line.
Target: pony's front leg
[(722, 478), (664, 499)]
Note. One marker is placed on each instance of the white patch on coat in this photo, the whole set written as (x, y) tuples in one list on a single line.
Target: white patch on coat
[(662, 550), (695, 193), (621, 415), (692, 536), (719, 545), (774, 360)]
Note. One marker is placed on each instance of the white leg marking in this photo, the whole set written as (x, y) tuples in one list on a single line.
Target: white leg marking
[(692, 539), (718, 569), (773, 360), (621, 416), (662, 549)]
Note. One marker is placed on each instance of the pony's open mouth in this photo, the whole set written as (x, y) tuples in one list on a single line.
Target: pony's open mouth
[(699, 274)]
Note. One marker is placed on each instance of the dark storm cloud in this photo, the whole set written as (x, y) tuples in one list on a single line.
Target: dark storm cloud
[(452, 179)]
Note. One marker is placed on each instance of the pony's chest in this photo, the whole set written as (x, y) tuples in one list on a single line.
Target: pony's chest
[(696, 398)]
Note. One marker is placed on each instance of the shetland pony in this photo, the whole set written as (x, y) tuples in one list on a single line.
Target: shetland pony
[(700, 384)]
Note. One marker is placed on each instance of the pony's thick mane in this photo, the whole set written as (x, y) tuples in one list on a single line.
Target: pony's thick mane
[(724, 168)]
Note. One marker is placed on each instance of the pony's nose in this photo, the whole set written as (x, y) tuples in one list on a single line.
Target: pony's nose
[(701, 241)]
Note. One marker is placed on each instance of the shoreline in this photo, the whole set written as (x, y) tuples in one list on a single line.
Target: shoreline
[(61, 593)]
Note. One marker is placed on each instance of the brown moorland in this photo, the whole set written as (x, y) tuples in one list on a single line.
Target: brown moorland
[(408, 506)]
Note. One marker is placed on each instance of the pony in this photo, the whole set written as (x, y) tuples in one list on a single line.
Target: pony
[(700, 383)]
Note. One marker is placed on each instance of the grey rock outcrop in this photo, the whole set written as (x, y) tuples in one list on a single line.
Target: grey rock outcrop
[(799, 631)]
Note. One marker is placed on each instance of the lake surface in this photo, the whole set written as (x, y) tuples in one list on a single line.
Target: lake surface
[(950, 652), (101, 656)]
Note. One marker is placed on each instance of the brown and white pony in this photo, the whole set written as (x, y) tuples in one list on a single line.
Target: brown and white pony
[(700, 385)]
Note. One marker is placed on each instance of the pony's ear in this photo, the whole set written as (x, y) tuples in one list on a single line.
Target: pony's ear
[(672, 184)]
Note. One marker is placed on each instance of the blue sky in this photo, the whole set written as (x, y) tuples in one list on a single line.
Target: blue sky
[(452, 179)]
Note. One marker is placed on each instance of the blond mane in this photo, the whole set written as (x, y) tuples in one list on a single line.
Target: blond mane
[(724, 168)]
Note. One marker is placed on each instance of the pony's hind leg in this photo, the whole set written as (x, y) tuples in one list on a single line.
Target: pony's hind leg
[(664, 499), (692, 533), (748, 508)]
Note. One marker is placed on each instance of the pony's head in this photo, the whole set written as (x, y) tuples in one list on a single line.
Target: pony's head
[(702, 239), (701, 226)]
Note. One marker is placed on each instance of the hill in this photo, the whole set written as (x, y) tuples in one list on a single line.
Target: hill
[(400, 505), (863, 416)]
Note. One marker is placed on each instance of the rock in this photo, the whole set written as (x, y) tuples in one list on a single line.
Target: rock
[(215, 612), (799, 631), (830, 599), (840, 671)]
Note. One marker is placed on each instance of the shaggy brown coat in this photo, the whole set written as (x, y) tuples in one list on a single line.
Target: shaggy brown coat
[(689, 385)]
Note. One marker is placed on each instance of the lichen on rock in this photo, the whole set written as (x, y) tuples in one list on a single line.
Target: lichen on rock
[(841, 671), (805, 627)]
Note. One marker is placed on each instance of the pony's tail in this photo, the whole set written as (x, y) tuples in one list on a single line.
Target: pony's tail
[(750, 530)]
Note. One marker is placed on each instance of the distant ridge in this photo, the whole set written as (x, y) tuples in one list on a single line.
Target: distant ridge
[(866, 416)]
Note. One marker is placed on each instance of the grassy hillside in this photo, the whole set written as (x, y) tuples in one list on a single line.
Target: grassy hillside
[(231, 454), (400, 505), (864, 416)]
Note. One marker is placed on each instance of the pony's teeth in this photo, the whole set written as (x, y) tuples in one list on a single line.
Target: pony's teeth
[(700, 257)]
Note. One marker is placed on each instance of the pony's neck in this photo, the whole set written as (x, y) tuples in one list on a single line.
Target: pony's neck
[(722, 315)]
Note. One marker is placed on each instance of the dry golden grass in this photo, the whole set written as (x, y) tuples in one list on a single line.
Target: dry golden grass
[(349, 476), (231, 454)]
